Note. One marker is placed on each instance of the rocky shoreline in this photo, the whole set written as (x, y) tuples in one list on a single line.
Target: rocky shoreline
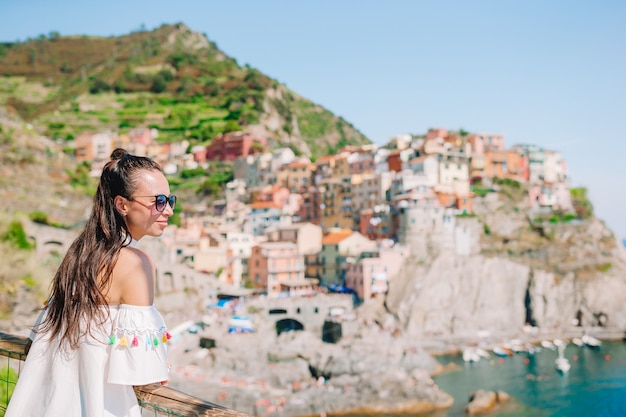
[(373, 369), (298, 375)]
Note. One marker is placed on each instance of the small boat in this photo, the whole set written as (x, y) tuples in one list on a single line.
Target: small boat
[(562, 365), (470, 355), (532, 349), (483, 353), (548, 344), (502, 351), (591, 341), (577, 341)]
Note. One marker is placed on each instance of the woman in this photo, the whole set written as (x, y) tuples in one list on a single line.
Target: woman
[(100, 334)]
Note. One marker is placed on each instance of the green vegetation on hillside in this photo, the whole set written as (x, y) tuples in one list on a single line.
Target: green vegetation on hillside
[(15, 236), (582, 204), (170, 78), (207, 182), (512, 189), (20, 263)]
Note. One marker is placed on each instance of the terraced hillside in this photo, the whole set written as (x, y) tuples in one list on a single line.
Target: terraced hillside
[(171, 78)]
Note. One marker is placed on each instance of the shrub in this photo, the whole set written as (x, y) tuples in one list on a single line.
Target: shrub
[(232, 126), (16, 236), (79, 178), (581, 203), (210, 187), (119, 86), (98, 85), (56, 125), (508, 182), (166, 75), (38, 217), (193, 173), (159, 85)]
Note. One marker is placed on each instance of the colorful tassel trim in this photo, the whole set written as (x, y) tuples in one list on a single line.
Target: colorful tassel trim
[(151, 339)]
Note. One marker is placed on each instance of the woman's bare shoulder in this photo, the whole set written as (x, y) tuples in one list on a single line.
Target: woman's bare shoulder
[(133, 277), (134, 260)]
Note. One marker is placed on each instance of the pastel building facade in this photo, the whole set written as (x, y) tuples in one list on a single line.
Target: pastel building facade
[(370, 276), (278, 267)]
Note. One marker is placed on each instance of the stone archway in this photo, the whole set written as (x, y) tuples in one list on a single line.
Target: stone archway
[(287, 325)]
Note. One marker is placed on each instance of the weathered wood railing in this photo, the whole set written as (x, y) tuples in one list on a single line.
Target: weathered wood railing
[(155, 398)]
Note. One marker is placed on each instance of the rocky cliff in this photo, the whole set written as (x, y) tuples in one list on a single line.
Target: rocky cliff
[(523, 267)]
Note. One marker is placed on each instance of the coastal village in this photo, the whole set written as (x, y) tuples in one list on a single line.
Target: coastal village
[(296, 244), (306, 272), (290, 226)]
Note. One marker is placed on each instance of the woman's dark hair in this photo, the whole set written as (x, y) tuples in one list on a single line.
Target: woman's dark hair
[(80, 283)]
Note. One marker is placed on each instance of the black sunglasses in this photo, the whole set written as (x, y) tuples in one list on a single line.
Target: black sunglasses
[(161, 200)]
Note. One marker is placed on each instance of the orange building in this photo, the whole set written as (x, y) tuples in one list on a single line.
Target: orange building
[(505, 164), (394, 161)]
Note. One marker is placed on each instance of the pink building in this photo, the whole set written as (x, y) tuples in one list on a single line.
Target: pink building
[(482, 142), (140, 135), (556, 196), (436, 133), (369, 277), (273, 194), (278, 267)]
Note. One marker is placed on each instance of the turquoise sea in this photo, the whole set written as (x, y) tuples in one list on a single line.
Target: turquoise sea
[(594, 386)]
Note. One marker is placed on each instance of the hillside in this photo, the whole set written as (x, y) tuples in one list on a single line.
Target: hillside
[(171, 78), (35, 176)]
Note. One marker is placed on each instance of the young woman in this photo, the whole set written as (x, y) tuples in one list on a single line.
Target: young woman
[(100, 333)]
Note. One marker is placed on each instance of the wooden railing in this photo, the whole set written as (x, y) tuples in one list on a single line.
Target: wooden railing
[(154, 398)]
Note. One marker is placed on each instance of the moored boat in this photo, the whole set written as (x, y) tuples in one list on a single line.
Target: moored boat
[(591, 341), (562, 365), (470, 355), (502, 351)]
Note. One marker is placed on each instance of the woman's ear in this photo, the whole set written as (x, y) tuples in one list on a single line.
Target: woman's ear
[(121, 205)]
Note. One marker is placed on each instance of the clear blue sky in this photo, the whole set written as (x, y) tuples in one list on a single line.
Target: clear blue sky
[(551, 73)]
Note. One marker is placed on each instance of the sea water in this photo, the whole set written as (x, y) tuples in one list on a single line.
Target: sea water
[(594, 386)]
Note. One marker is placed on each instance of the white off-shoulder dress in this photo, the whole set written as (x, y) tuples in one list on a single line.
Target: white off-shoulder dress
[(95, 380)]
